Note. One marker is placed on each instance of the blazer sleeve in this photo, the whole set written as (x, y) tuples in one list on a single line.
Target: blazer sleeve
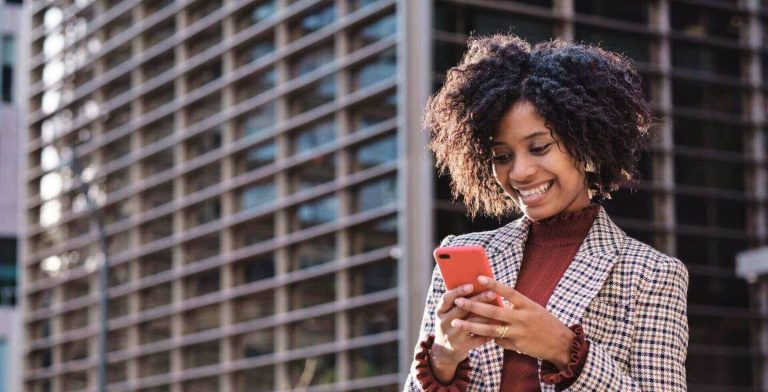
[(659, 344), (435, 291)]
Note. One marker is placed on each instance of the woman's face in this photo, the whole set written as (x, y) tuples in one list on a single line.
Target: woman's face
[(533, 169)]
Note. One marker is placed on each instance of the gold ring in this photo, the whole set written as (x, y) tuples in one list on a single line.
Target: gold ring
[(501, 330)]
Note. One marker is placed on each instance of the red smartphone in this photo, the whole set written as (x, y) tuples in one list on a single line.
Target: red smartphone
[(460, 265)]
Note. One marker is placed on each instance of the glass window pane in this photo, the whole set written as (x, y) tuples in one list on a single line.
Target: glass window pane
[(312, 331), (374, 361), (312, 292), (314, 252), (630, 11), (375, 152), (313, 136), (376, 194), (316, 212), (258, 195), (381, 68)]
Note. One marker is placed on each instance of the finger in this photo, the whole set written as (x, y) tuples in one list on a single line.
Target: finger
[(457, 312), (486, 310), (446, 302), (478, 329), (513, 296)]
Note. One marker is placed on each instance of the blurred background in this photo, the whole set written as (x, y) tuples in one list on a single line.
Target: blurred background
[(235, 195)]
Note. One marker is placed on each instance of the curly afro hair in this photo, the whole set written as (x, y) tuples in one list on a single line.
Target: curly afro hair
[(590, 98)]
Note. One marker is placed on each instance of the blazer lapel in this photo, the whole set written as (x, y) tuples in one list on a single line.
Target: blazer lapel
[(588, 270), (505, 253), (586, 274)]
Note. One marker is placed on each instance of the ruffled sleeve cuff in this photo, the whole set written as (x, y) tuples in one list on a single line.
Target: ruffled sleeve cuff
[(579, 352), (426, 377)]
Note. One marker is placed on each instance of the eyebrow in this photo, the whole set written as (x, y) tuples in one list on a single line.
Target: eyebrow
[(531, 136)]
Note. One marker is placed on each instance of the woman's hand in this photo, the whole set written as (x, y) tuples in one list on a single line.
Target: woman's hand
[(525, 327), (452, 345)]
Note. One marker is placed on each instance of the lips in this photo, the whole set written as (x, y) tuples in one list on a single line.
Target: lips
[(535, 197)]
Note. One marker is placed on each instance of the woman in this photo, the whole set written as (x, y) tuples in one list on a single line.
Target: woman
[(549, 131)]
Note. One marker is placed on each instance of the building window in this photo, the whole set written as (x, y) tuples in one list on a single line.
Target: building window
[(375, 153), (377, 193), (6, 75), (257, 195), (317, 212), (314, 252), (380, 69), (314, 136)]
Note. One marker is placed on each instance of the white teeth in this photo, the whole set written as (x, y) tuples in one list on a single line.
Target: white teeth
[(536, 191)]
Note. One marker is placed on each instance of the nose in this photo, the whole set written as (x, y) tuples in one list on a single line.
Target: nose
[(523, 168)]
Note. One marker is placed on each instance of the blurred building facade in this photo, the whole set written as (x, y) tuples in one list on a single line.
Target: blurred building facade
[(10, 144), (271, 211)]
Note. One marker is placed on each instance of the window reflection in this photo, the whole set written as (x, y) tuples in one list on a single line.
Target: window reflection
[(256, 84), (256, 13), (484, 21), (318, 171), (374, 235), (382, 67), (375, 153), (706, 58), (707, 96), (254, 344), (255, 50), (376, 194), (373, 361), (324, 367), (254, 269), (381, 28), (315, 20), (319, 93), (630, 11), (703, 172), (258, 156), (312, 60), (633, 45), (312, 331), (258, 121), (373, 277), (708, 134), (698, 21), (314, 252), (201, 354), (316, 212), (254, 231), (201, 319), (312, 292), (257, 195), (314, 136), (373, 319), (373, 111), (254, 306)]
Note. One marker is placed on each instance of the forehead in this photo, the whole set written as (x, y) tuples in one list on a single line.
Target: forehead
[(520, 124)]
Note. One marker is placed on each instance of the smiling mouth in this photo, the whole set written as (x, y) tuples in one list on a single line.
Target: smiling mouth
[(534, 195)]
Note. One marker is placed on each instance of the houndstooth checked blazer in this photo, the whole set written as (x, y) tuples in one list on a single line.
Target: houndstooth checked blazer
[(629, 298)]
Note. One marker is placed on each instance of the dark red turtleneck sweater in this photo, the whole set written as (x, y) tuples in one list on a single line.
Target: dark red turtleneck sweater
[(549, 249)]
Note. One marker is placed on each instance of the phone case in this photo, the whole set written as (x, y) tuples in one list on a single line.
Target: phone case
[(463, 264)]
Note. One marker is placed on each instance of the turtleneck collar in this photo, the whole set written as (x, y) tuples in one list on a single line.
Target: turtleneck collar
[(565, 228)]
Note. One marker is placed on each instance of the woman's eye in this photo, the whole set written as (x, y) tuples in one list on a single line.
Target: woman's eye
[(500, 158), (540, 150)]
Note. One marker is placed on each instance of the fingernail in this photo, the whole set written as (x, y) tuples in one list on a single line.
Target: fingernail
[(490, 295), (467, 288), (459, 301), (482, 279), (455, 323)]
